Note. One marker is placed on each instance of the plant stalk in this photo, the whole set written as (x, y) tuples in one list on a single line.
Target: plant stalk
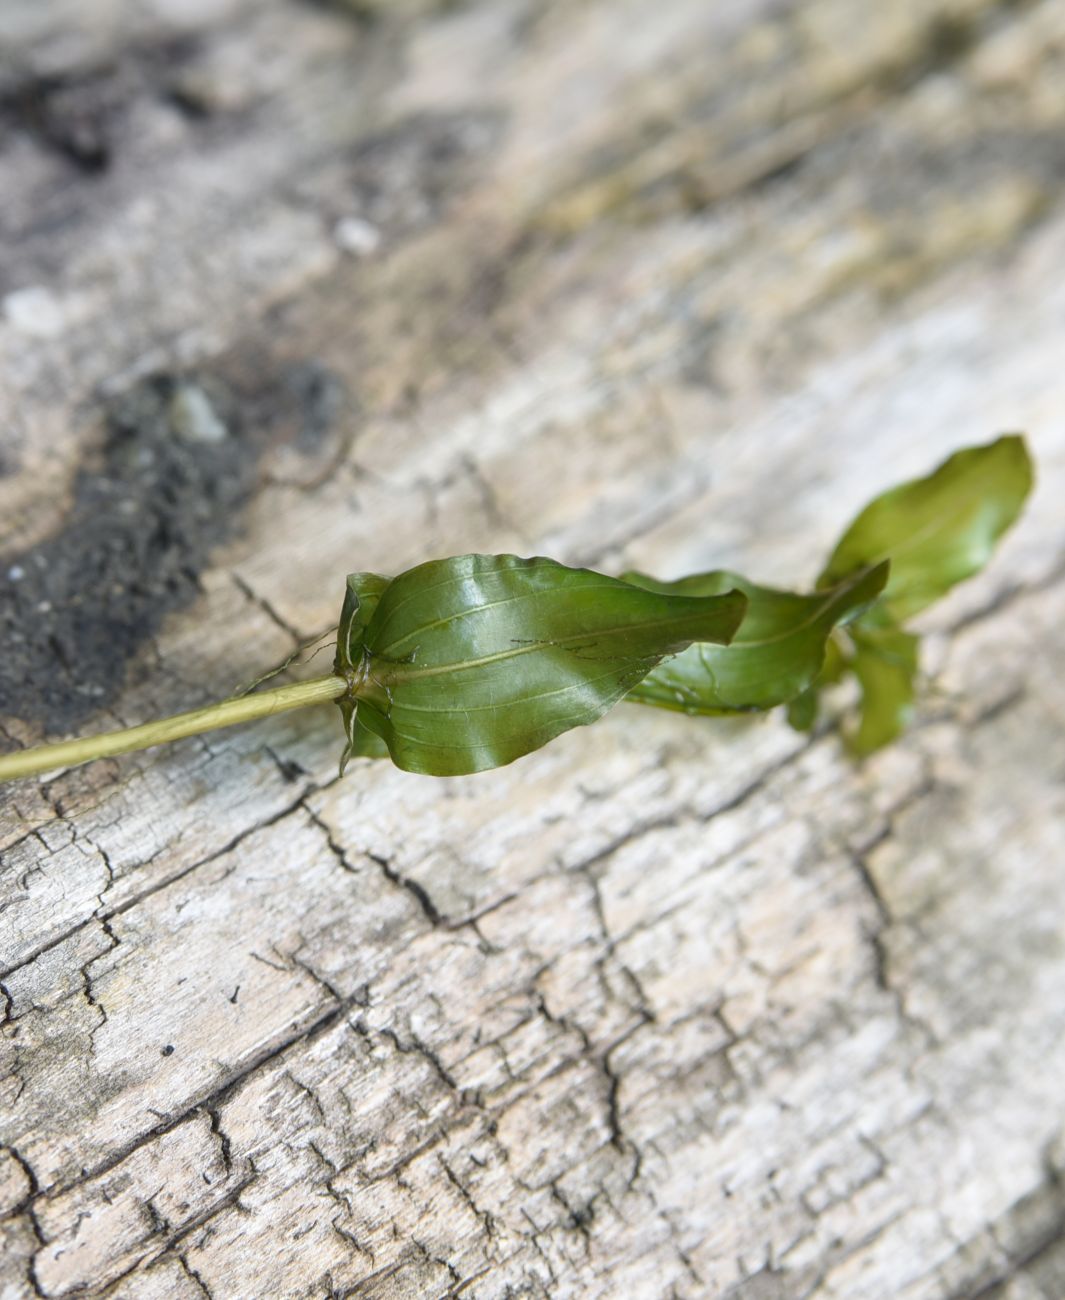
[(245, 708)]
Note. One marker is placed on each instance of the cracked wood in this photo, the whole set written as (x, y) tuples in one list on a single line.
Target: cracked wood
[(672, 1007)]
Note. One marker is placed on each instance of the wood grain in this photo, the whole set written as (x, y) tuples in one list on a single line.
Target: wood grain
[(672, 1007)]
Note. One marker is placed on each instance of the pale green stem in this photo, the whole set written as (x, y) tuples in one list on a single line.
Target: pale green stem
[(245, 708)]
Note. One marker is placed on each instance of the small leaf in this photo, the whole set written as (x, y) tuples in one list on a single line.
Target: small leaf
[(803, 709), (776, 654), (886, 664), (939, 530), (474, 661), (364, 744), (361, 595)]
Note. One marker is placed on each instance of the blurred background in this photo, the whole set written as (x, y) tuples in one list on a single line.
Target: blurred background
[(290, 288)]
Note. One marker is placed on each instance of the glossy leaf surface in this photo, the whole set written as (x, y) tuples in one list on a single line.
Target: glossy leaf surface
[(776, 654), (939, 530), (476, 660), (886, 664)]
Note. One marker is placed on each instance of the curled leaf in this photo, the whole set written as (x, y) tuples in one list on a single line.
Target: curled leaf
[(803, 709), (364, 744), (777, 653), (469, 663), (938, 530), (886, 665), (361, 594)]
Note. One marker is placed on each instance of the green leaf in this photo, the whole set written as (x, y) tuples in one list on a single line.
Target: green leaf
[(776, 654), (939, 530), (473, 661), (886, 664), (364, 744), (803, 709), (361, 595)]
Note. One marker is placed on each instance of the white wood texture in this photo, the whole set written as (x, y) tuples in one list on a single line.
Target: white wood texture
[(672, 1007)]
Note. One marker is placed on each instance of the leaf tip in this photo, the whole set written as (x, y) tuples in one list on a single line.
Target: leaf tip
[(736, 606), (1015, 444)]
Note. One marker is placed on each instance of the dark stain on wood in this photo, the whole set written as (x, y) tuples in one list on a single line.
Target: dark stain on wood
[(179, 461)]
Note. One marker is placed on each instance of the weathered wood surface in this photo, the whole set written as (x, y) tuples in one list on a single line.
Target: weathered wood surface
[(669, 1008)]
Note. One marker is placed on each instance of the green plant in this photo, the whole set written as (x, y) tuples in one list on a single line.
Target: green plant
[(468, 663)]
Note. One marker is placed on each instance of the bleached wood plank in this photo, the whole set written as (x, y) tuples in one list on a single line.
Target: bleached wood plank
[(670, 1007)]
